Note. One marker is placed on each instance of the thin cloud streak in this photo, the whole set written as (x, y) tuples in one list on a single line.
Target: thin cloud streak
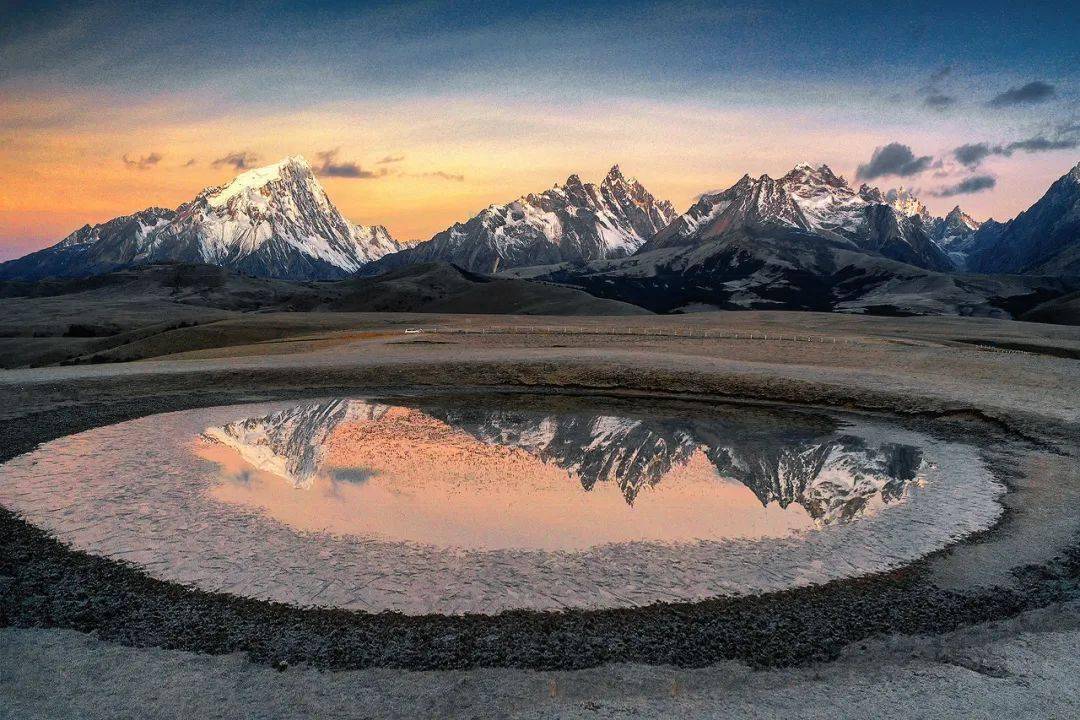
[(331, 167), (967, 186), (144, 162), (1066, 137), (242, 160), (1034, 92)]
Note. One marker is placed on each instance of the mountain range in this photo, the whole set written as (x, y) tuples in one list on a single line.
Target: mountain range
[(805, 240), (815, 201), (573, 222)]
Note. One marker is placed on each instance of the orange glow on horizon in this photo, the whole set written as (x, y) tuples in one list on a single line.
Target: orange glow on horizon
[(66, 153)]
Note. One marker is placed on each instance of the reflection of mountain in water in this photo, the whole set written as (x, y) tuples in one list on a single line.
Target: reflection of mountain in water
[(629, 452), (292, 443), (833, 476), (833, 480)]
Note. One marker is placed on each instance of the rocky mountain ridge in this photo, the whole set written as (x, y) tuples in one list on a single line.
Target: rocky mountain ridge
[(814, 200), (571, 222), (275, 221)]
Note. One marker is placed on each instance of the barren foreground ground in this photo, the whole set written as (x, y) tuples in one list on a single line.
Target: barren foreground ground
[(1013, 386)]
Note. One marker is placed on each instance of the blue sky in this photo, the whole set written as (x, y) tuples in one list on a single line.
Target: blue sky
[(268, 52)]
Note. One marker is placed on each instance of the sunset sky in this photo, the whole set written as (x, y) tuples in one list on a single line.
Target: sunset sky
[(417, 115)]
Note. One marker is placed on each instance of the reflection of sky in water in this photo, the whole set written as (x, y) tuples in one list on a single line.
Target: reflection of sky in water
[(438, 507), (497, 479)]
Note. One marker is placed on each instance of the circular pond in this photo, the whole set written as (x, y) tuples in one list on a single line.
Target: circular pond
[(441, 505)]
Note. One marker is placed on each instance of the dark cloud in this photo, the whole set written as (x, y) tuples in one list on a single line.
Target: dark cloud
[(1066, 137), (939, 101), (973, 184), (144, 162), (893, 159), (973, 153), (242, 160), (1041, 144), (330, 167), (1034, 92), (390, 159)]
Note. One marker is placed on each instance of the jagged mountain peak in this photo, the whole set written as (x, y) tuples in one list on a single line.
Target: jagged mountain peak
[(616, 178), (294, 169), (805, 173), (573, 181), (614, 174), (272, 221), (573, 222), (813, 200), (905, 202), (871, 194), (957, 218)]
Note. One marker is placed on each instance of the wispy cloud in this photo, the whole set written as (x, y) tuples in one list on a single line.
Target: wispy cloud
[(893, 159), (967, 186), (331, 167), (1065, 137), (441, 175), (933, 96), (242, 160), (1034, 92), (939, 101), (191, 162), (390, 159), (143, 162), (937, 77)]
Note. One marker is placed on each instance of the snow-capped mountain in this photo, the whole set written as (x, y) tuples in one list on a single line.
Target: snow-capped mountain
[(573, 222), (817, 201), (903, 201), (1044, 239), (955, 234), (274, 221)]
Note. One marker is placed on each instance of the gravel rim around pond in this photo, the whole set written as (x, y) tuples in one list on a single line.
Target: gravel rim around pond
[(45, 584)]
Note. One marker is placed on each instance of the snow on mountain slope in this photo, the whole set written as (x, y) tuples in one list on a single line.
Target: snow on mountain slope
[(817, 201), (904, 202), (274, 221), (572, 222), (955, 234)]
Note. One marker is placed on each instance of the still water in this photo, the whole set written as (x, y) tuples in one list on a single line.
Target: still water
[(486, 504)]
